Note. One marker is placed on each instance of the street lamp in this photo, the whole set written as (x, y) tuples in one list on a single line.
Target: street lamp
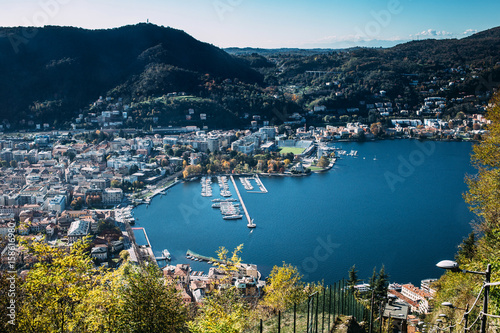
[(466, 314), (453, 266)]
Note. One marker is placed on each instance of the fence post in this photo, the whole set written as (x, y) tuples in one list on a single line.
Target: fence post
[(342, 293), (353, 304), (323, 317), (261, 326), (335, 301), (294, 316), (279, 321), (307, 322), (317, 307), (329, 308)]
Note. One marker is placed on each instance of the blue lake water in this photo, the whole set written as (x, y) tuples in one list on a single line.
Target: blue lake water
[(398, 203)]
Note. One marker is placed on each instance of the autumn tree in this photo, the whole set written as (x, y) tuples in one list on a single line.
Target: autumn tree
[(323, 162), (54, 288), (77, 203), (102, 309), (11, 289), (229, 263), (483, 198), (284, 288), (222, 311), (150, 305)]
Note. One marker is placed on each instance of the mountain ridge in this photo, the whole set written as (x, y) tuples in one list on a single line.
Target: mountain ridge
[(72, 66), (51, 74)]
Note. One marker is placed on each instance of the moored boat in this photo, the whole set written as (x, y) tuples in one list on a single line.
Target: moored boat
[(232, 217)]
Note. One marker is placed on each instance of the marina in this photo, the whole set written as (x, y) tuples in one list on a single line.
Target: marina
[(297, 221), (245, 181), (224, 187), (124, 215), (206, 186), (262, 188)]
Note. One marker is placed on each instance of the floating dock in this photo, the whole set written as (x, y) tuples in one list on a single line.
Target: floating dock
[(194, 255), (262, 188), (250, 221)]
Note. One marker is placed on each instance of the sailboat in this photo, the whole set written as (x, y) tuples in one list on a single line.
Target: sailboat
[(375, 158)]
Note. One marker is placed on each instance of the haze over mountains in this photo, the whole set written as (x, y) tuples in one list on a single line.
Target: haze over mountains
[(50, 74)]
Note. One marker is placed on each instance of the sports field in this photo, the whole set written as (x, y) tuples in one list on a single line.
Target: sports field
[(295, 151)]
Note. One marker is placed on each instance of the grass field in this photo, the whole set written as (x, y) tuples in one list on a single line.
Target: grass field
[(295, 151), (315, 168)]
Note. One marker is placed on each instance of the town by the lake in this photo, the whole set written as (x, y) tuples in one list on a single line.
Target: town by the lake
[(63, 186)]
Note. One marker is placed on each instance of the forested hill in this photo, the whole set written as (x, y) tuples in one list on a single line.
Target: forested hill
[(478, 49), (51, 72)]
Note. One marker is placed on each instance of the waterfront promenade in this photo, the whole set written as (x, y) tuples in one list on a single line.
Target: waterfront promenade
[(250, 222)]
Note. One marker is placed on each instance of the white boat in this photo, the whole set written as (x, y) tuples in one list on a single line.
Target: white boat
[(232, 217), (166, 254)]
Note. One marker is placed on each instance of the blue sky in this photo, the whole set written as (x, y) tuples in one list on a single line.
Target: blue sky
[(270, 23)]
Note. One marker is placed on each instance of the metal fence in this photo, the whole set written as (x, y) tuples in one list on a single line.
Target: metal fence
[(317, 314)]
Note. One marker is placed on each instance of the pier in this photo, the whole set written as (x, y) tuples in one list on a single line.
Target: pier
[(262, 188), (250, 221), (146, 250)]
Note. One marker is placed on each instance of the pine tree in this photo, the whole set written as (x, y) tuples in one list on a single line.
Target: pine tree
[(353, 278)]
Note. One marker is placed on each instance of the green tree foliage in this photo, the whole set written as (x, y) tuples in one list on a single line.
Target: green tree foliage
[(475, 253), (115, 183), (379, 283), (11, 289), (353, 278), (54, 288), (229, 263), (223, 311), (107, 225), (102, 309), (467, 249), (148, 304), (64, 292), (133, 169), (284, 288)]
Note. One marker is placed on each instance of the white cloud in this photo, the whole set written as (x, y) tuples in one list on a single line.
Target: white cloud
[(434, 33), (469, 32)]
